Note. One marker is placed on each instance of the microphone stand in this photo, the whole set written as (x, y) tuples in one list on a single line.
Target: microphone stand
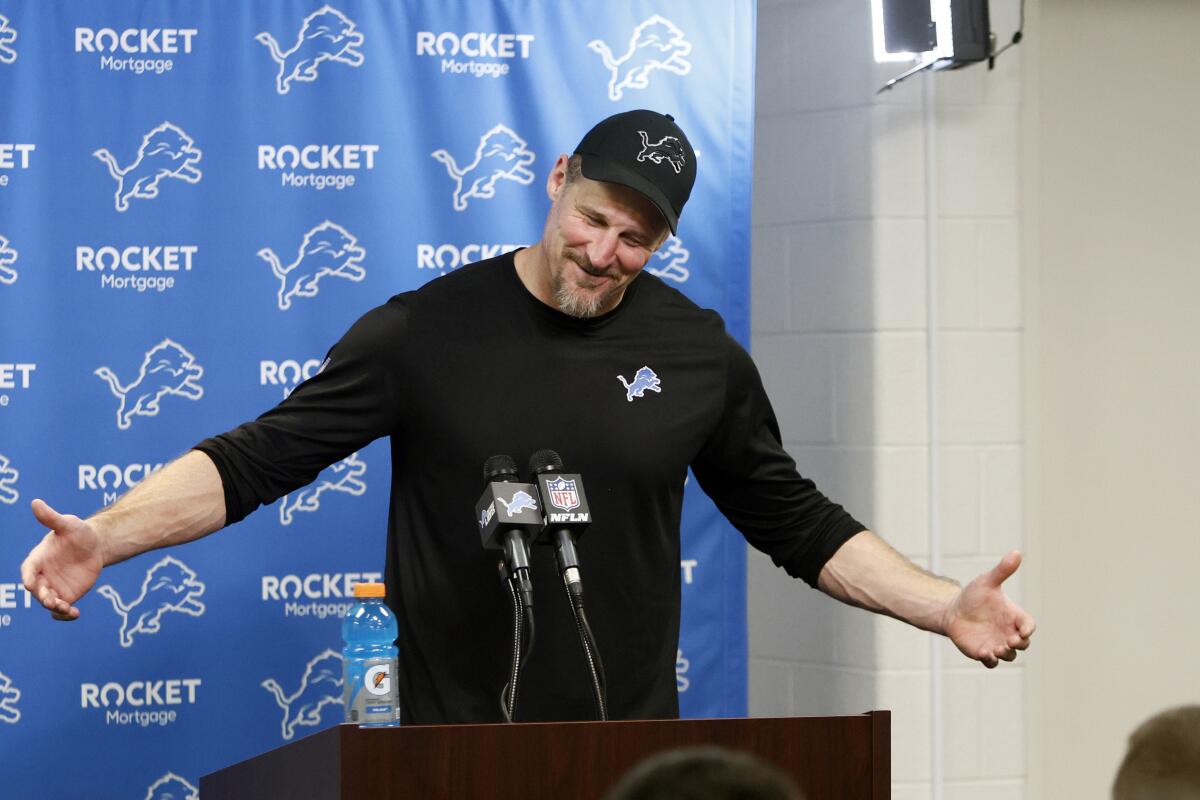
[(567, 514), (503, 526), (522, 646)]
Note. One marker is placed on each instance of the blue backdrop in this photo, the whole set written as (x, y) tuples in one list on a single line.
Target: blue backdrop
[(163, 168)]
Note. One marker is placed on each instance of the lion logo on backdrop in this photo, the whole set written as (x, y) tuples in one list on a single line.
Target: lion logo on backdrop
[(328, 249), (501, 155), (8, 257), (8, 480), (655, 44), (668, 261), (325, 35), (322, 685), (166, 152), (172, 787), (342, 476), (681, 667), (170, 585), (7, 37), (9, 695), (167, 369)]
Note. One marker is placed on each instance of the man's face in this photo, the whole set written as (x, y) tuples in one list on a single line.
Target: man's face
[(598, 237)]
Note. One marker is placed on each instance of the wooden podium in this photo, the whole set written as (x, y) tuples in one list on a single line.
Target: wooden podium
[(829, 757)]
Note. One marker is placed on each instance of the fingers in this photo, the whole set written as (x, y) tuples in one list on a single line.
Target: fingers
[(992, 660), (1026, 626), (27, 573), (48, 516), (1004, 570), (58, 608), (71, 615)]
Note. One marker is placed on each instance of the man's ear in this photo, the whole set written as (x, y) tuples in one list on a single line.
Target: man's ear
[(557, 178), (663, 235)]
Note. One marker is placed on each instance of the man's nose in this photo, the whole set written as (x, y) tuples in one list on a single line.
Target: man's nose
[(603, 250)]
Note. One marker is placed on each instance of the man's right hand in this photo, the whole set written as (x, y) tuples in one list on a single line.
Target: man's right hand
[(65, 565)]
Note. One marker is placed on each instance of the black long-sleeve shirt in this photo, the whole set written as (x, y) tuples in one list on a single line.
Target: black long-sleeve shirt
[(472, 365)]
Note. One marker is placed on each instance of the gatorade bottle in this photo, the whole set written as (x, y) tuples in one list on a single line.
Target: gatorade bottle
[(369, 659)]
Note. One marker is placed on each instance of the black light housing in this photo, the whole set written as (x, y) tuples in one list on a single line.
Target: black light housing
[(938, 34)]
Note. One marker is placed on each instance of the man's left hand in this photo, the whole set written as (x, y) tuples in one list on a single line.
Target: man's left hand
[(984, 623)]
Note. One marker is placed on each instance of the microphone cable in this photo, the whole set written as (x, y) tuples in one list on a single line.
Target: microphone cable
[(591, 653), (522, 645)]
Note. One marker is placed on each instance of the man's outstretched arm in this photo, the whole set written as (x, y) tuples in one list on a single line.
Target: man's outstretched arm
[(179, 503), (979, 618)]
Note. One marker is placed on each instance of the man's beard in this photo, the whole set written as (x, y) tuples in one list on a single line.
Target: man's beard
[(572, 300)]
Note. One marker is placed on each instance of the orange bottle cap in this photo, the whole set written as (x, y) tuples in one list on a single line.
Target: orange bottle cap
[(369, 590)]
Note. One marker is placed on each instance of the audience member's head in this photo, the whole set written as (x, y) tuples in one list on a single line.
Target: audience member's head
[(1163, 760), (704, 773)]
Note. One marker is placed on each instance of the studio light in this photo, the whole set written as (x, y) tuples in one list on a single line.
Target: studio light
[(937, 34)]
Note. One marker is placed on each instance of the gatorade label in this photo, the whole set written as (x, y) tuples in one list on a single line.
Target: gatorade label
[(372, 697)]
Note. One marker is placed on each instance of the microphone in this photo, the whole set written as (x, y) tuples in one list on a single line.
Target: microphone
[(567, 516), (567, 513), (508, 514)]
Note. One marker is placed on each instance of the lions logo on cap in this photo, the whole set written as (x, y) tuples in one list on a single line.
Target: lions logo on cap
[(668, 149)]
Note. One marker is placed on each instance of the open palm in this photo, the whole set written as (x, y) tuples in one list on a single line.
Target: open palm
[(984, 623), (65, 565)]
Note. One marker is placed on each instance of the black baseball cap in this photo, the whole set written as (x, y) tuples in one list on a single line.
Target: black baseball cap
[(647, 152)]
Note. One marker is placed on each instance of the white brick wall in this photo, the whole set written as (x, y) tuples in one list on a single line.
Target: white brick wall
[(840, 313)]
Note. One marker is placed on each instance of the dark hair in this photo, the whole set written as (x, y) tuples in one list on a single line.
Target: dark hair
[(704, 773), (574, 169), (1163, 759)]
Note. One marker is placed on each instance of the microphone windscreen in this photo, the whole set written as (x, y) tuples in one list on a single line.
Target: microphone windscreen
[(499, 468), (544, 461)]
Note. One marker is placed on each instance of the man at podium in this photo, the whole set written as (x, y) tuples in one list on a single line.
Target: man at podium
[(567, 344)]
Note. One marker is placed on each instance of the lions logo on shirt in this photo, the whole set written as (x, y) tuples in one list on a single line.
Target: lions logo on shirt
[(643, 381)]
